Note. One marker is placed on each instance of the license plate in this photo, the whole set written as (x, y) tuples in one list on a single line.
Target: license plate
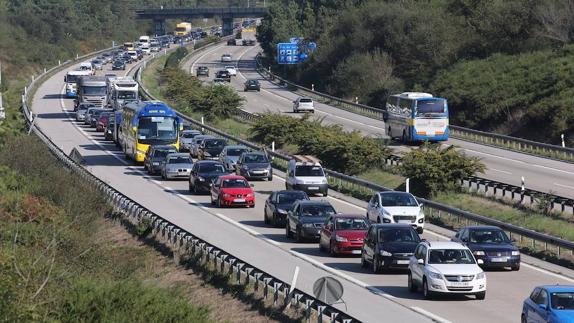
[(356, 252), (313, 187), (459, 284), (402, 262), (499, 259), (405, 221), (239, 200)]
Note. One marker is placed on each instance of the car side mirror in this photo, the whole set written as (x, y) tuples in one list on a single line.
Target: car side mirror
[(480, 262), (464, 239), (421, 205), (543, 306), (420, 261)]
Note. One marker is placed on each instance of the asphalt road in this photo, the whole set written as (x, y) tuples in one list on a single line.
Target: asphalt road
[(505, 166), (369, 297)]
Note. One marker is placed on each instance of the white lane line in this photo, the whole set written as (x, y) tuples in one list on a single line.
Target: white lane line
[(429, 314), (547, 272), (200, 57), (500, 171), (565, 186), (519, 161)]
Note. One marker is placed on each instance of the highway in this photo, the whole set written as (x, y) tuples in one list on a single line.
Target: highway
[(369, 297), (505, 166)]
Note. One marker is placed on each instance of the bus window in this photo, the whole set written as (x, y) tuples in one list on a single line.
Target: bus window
[(430, 107)]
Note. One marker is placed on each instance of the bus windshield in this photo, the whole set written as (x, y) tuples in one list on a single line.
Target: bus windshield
[(94, 90), (430, 107), (157, 130)]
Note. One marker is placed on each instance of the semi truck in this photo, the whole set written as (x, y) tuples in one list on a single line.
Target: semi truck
[(122, 90), (183, 29), (71, 80), (92, 89)]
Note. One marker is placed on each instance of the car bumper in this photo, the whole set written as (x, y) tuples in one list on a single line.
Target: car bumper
[(263, 173), (348, 248), (237, 202), (252, 89), (311, 233), (312, 188), (441, 286), (396, 262), (155, 168), (499, 262), (175, 175)]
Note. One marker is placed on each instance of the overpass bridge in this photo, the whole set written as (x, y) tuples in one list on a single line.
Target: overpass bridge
[(227, 15)]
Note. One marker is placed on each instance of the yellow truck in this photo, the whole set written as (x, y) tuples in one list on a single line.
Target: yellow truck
[(183, 29)]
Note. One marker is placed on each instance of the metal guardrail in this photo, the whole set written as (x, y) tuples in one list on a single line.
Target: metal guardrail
[(481, 137), (435, 210), (183, 241)]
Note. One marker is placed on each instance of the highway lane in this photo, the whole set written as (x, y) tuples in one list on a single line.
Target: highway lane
[(242, 232), (171, 201), (503, 165)]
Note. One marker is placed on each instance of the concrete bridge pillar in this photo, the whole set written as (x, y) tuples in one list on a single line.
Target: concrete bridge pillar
[(227, 27), (159, 26)]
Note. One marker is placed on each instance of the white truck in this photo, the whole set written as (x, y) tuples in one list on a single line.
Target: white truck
[(145, 44), (305, 173), (122, 90)]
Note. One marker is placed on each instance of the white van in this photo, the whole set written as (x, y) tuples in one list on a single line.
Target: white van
[(305, 173)]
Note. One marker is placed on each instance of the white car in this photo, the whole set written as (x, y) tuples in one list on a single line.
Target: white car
[(186, 139), (303, 104), (226, 58), (396, 207), (232, 70), (446, 267)]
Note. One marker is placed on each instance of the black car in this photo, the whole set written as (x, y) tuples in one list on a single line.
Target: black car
[(252, 85), (389, 246), (203, 34), (231, 42), (254, 165), (277, 205), (202, 70), (211, 148), (223, 74), (119, 65), (154, 156), (491, 244), (127, 58), (140, 53), (203, 173), (306, 219), (248, 42)]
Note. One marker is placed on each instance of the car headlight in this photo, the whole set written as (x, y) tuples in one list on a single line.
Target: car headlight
[(478, 253), (140, 152), (281, 211), (385, 253), (155, 163), (385, 213), (207, 154), (308, 225), (340, 239), (421, 214), (226, 195), (249, 195), (435, 275), (516, 253), (201, 179), (481, 275)]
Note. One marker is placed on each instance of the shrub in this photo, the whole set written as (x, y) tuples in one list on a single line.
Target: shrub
[(174, 58)]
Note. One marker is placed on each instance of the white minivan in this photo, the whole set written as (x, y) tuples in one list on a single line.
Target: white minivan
[(305, 173)]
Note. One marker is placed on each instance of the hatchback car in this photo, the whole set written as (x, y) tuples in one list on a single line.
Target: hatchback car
[(232, 190), (202, 71), (211, 148), (231, 42), (251, 85), (226, 58), (389, 246), (254, 165), (203, 173), (176, 165), (445, 267), (82, 109), (186, 138), (232, 70), (552, 303), (279, 203), (118, 64), (230, 155), (223, 74), (306, 219), (343, 234), (103, 121), (97, 64), (154, 156), (396, 207), (95, 117), (303, 104), (491, 244)]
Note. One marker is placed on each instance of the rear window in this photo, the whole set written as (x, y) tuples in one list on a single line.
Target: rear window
[(179, 160), (305, 100)]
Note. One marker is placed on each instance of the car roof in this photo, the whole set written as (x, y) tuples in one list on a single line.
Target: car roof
[(191, 131), (394, 192), (289, 191), (558, 288), (178, 155), (488, 227), (236, 147), (201, 162), (346, 216), (445, 245), (315, 202), (232, 176)]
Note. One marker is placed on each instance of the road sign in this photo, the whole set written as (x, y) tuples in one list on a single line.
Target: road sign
[(287, 53)]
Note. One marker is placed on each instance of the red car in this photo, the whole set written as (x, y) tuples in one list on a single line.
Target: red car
[(343, 234), (102, 123), (232, 190)]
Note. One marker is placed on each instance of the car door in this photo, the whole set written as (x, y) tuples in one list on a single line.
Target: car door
[(529, 306), (370, 244), (540, 311), (269, 205), (326, 232), (294, 218), (417, 270), (458, 236), (215, 188)]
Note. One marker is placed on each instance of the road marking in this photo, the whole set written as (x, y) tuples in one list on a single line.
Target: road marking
[(565, 186), (203, 55), (429, 314), (518, 161), (500, 171)]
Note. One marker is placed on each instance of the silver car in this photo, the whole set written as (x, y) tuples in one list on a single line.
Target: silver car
[(89, 114), (176, 165), (81, 112), (195, 143), (230, 155), (186, 138)]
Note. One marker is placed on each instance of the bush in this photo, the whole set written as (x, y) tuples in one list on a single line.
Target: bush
[(175, 58), (433, 169), (346, 152)]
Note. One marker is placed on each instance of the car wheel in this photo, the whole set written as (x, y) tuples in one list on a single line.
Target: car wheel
[(332, 250), (325, 194), (298, 236), (378, 219), (212, 201), (420, 230), (523, 319), (426, 292), (190, 188), (412, 286), (376, 265), (516, 268), (195, 191), (265, 218), (163, 176), (364, 263), (390, 133), (481, 295), (288, 232), (218, 202), (270, 178)]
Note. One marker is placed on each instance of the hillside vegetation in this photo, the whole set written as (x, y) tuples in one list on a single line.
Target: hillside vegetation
[(502, 63)]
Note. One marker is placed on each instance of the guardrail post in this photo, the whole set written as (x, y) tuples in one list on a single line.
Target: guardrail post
[(276, 287), (320, 309), (313, 87), (308, 304)]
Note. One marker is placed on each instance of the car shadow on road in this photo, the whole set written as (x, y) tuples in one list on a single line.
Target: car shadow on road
[(404, 293), (279, 237), (257, 224), (54, 96), (57, 115)]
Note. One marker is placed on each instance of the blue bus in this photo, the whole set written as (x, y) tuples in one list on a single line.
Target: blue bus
[(415, 117), (148, 123)]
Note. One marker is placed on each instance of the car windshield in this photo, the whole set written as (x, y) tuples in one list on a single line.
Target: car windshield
[(488, 236), (290, 197), (188, 135), (309, 171), (235, 151), (562, 300), (350, 224), (234, 183), (255, 158), (253, 82), (450, 256), (212, 168), (398, 235), (162, 153), (398, 199), (179, 160), (317, 210), (430, 107), (214, 143)]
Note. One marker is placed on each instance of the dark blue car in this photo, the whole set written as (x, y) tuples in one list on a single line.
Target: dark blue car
[(491, 244), (552, 304)]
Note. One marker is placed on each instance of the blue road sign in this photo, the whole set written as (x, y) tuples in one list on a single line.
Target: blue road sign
[(288, 53)]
